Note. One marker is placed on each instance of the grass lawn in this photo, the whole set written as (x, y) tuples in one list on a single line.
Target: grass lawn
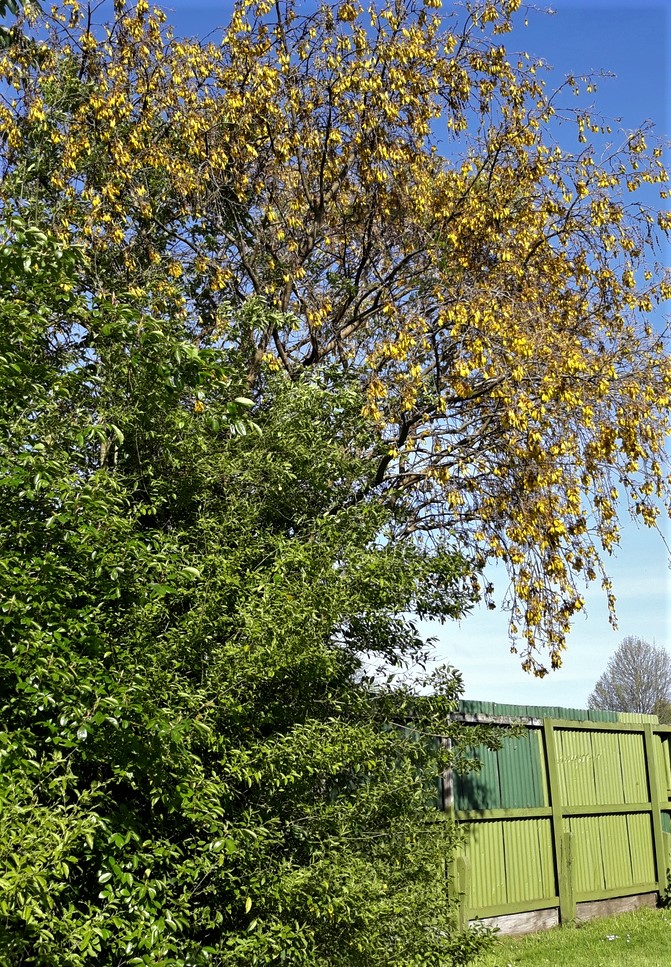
[(640, 939)]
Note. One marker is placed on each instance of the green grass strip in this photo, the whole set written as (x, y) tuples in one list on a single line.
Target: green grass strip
[(639, 939)]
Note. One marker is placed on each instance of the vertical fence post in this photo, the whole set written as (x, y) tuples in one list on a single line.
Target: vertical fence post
[(567, 907), (655, 805), (463, 885), (458, 880), (563, 854), (457, 887)]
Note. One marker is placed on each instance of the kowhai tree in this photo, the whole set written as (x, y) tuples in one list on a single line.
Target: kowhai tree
[(379, 192)]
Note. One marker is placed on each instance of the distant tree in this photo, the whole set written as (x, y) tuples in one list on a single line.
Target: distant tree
[(662, 710), (637, 679)]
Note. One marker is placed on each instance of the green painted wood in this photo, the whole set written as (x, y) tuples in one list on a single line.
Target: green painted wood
[(666, 746), (606, 809), (557, 821), (541, 812), (561, 750), (663, 766), (667, 849), (618, 892), (567, 909), (540, 744), (457, 874), (656, 801), (467, 815), (463, 882), (503, 909)]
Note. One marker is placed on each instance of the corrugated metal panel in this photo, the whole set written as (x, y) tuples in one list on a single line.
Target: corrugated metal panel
[(528, 859), (582, 769), (587, 862), (472, 707), (519, 772), (553, 712), (548, 874), (540, 749), (637, 718), (564, 752), (615, 854), (580, 714), (632, 767), (665, 772), (509, 778), (662, 763), (667, 849), (607, 768), (641, 849), (576, 768), (481, 789), (511, 711), (601, 715), (487, 882)]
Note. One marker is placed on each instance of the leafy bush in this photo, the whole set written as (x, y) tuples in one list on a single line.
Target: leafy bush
[(200, 764)]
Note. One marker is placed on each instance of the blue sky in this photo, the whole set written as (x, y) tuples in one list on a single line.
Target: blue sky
[(633, 41)]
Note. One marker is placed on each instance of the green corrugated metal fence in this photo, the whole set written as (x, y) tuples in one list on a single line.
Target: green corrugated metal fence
[(574, 808)]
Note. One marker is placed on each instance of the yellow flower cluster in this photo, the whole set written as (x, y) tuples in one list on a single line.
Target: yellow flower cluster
[(492, 301)]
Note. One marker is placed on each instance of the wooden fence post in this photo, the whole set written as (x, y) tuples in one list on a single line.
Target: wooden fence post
[(656, 807), (563, 853), (463, 872), (457, 888), (567, 907)]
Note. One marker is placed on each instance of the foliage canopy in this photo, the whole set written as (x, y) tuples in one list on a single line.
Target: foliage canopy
[(198, 765), (385, 187)]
